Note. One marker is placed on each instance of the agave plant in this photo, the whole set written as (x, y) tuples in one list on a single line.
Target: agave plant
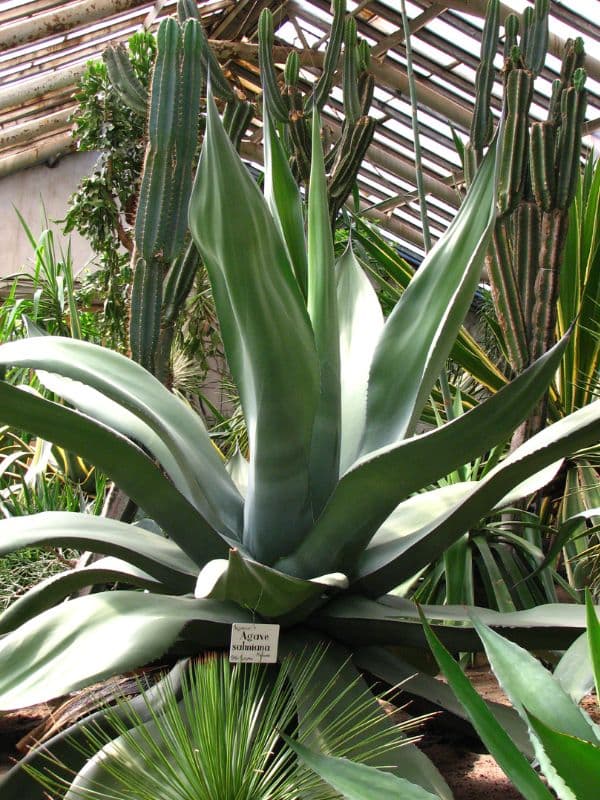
[(326, 517)]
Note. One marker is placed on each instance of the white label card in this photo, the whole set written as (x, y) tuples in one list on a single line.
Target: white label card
[(253, 643)]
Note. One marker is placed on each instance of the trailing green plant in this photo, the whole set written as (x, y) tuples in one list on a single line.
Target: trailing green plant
[(222, 733), (565, 740)]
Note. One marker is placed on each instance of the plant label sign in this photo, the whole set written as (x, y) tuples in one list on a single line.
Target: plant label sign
[(253, 643)]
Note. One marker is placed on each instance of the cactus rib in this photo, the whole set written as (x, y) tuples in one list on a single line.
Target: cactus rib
[(146, 300), (350, 76), (124, 80), (268, 77), (323, 86)]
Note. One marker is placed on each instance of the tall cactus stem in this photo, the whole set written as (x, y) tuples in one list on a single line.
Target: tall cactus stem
[(187, 9), (322, 89), (268, 76), (511, 31), (481, 123), (506, 297), (366, 89), (291, 72), (513, 144), (153, 217), (541, 164), (179, 281), (124, 80), (352, 105), (568, 150), (146, 301), (537, 41), (527, 242)]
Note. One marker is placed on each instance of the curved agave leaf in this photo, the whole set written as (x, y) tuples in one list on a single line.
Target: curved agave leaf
[(574, 671), (94, 404), (68, 746), (283, 198), (576, 762), (123, 461), (358, 781), (139, 392), (265, 591), (94, 637), (419, 333), (336, 687), (368, 493), (360, 323), (53, 590), (323, 312), (268, 339), (530, 686), (161, 558), (384, 567), (496, 739), (389, 620)]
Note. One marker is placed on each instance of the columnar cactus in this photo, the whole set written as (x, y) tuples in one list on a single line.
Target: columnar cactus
[(538, 172), (287, 106)]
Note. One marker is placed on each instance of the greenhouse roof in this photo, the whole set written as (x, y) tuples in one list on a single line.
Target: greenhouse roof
[(44, 45)]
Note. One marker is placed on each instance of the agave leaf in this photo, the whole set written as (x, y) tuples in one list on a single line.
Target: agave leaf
[(264, 590), (371, 489), (53, 590), (268, 339), (530, 686), (68, 746), (358, 781), (337, 687), (94, 637), (419, 333), (158, 556), (388, 666), (94, 404), (390, 620), (323, 312), (383, 567), (495, 738), (574, 671), (576, 761), (131, 386), (361, 323), (123, 461), (283, 197)]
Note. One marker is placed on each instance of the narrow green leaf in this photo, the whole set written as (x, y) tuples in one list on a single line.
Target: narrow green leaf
[(357, 781), (419, 334), (283, 198), (268, 339), (123, 381), (576, 761), (497, 741), (361, 323), (323, 312), (122, 461), (91, 638)]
